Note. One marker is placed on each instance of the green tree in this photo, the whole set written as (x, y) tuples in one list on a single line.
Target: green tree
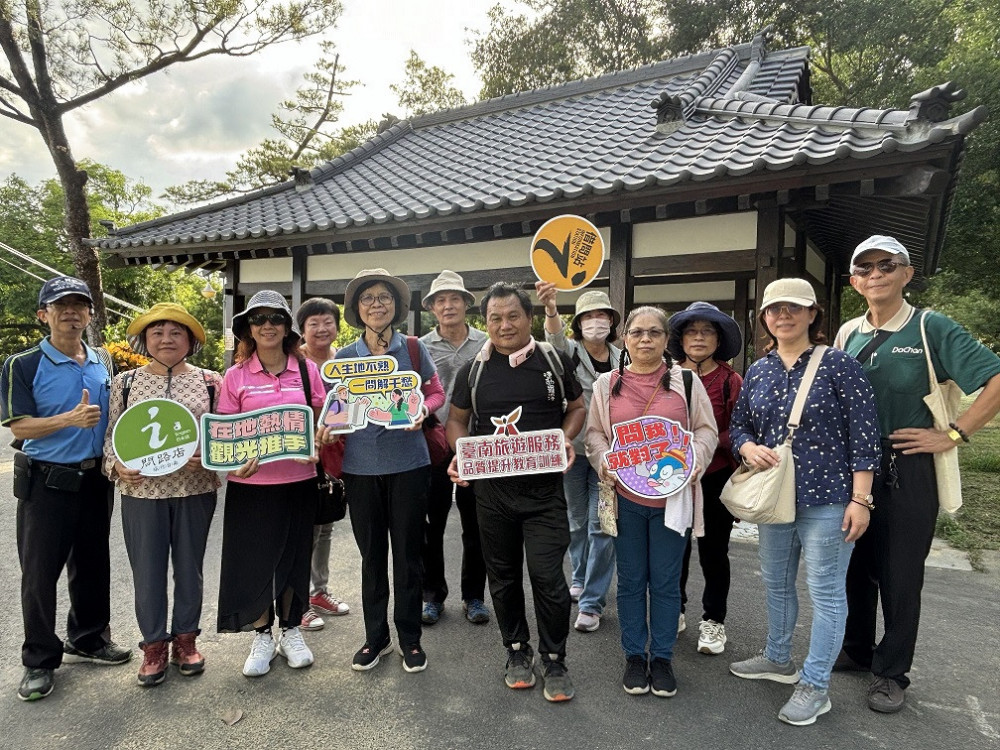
[(59, 57), (426, 88), (307, 136)]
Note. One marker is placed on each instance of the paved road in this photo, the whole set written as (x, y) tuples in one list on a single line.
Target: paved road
[(460, 701)]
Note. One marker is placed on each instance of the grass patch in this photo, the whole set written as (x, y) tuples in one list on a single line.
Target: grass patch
[(976, 526)]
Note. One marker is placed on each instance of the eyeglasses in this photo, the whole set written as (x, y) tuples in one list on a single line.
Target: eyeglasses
[(370, 299), (641, 333), (703, 332), (76, 304), (773, 311), (259, 319), (884, 266)]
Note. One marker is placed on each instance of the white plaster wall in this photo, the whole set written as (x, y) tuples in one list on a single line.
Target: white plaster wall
[(702, 234)]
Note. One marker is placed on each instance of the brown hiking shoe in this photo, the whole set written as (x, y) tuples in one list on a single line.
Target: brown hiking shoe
[(186, 656), (154, 663)]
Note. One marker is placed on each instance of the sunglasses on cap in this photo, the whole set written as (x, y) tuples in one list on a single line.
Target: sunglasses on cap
[(259, 319), (773, 311), (885, 266)]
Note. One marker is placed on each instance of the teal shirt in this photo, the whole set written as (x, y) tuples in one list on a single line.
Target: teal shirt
[(898, 369)]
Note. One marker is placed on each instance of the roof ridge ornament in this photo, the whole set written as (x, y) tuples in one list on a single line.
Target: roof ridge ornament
[(934, 104), (303, 178), (758, 53)]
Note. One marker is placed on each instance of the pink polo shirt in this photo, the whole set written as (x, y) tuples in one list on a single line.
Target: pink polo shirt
[(248, 386)]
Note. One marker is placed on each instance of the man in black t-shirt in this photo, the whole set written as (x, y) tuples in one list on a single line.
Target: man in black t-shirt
[(522, 516)]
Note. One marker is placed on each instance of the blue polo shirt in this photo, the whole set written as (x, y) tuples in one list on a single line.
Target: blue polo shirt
[(44, 382)]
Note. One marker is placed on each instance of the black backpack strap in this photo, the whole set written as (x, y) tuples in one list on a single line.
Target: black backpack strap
[(688, 377), (210, 387), (127, 387), (306, 385)]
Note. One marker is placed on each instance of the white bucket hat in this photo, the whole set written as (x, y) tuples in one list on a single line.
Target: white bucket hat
[(448, 281)]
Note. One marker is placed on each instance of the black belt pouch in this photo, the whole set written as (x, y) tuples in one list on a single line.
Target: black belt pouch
[(64, 479), (22, 476)]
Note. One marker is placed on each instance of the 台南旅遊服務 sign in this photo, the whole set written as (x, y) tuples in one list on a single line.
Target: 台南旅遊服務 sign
[(271, 434), (531, 452), (652, 456), (156, 436)]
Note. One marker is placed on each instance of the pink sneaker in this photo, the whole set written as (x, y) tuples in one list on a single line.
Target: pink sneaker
[(325, 604), (311, 621)]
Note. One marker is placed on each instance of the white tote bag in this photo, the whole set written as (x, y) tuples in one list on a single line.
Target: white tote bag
[(943, 401)]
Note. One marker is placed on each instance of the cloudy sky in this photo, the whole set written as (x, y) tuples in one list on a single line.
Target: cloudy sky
[(193, 121)]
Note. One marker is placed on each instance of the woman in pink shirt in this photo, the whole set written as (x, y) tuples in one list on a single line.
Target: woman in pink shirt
[(268, 525), (652, 531)]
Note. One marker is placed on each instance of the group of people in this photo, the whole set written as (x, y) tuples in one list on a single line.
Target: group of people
[(865, 482)]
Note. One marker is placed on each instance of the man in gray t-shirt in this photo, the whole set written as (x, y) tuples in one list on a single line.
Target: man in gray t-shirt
[(451, 344)]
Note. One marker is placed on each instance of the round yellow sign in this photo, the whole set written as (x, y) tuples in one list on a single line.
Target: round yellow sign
[(568, 251)]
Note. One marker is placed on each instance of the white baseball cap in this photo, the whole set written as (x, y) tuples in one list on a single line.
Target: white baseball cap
[(881, 242)]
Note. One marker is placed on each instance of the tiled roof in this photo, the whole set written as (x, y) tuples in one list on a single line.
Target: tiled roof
[(697, 118)]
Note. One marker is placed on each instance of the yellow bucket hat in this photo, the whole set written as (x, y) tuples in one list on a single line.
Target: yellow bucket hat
[(159, 312)]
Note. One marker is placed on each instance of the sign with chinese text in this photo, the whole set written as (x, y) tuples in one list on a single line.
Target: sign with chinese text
[(501, 455), (370, 390), (156, 436), (652, 456), (271, 434), (567, 251)]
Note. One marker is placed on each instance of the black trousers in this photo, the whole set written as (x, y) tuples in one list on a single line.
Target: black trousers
[(713, 549), (473, 568), (888, 561), (57, 530), (525, 518), (389, 510)]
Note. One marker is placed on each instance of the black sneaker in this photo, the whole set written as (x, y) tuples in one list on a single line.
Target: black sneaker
[(661, 675), (520, 671), (636, 679), (414, 658), (109, 653), (36, 684), (367, 657), (558, 686)]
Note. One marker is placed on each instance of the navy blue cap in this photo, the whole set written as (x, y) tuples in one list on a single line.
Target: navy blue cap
[(62, 286)]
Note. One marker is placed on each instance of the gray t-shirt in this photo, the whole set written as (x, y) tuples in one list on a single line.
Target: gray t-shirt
[(450, 359)]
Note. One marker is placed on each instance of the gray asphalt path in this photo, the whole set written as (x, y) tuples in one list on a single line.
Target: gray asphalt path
[(461, 702)]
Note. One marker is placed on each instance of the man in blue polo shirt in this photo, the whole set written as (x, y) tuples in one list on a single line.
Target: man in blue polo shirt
[(55, 399)]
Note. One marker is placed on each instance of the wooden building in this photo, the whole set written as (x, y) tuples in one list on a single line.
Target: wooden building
[(709, 176)]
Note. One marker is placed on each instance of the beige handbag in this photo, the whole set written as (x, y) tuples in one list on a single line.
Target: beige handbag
[(768, 495), (607, 507), (943, 402)]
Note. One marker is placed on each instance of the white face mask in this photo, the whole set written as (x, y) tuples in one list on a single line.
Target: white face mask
[(595, 329)]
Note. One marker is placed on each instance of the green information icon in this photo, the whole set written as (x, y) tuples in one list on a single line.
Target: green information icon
[(156, 436)]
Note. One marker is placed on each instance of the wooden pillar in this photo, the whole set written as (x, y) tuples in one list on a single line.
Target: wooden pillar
[(834, 287), (770, 241), (413, 317), (229, 308), (299, 277), (742, 312), (621, 283)]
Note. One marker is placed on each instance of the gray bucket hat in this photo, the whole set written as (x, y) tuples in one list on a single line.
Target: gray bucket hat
[(596, 300), (265, 298), (375, 274), (730, 340), (448, 281)]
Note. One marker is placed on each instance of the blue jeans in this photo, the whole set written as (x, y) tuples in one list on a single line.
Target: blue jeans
[(814, 535), (650, 557), (591, 551)]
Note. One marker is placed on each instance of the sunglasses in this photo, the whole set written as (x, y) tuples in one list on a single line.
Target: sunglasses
[(259, 319), (640, 333), (884, 266), (773, 311)]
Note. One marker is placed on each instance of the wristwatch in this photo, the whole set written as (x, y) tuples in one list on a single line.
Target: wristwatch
[(955, 435), (861, 499)]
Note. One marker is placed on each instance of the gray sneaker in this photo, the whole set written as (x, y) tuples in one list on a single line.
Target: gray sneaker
[(760, 667), (806, 703)]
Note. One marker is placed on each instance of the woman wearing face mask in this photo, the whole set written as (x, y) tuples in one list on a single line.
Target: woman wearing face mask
[(591, 551)]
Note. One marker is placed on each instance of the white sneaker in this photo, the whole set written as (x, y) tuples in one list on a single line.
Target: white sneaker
[(294, 648), (262, 653), (587, 622), (711, 637), (681, 624)]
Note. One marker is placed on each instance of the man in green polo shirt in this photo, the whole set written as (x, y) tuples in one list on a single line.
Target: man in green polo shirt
[(888, 561)]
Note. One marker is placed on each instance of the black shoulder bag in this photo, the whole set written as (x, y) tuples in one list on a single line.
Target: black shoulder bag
[(331, 502)]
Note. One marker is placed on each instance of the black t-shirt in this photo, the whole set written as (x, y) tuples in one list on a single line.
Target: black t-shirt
[(600, 367), (503, 388)]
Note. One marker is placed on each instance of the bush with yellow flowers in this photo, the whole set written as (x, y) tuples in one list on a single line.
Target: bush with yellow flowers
[(123, 356)]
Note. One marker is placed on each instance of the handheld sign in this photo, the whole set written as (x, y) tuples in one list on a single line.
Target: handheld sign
[(270, 434), (156, 436), (511, 454), (652, 456), (370, 390), (567, 251)]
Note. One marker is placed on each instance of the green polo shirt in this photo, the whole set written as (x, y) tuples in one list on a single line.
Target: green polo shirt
[(898, 369)]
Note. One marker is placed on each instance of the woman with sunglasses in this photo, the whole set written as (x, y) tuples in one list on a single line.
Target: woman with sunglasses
[(703, 339), (836, 450), (652, 533), (267, 530), (387, 476)]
